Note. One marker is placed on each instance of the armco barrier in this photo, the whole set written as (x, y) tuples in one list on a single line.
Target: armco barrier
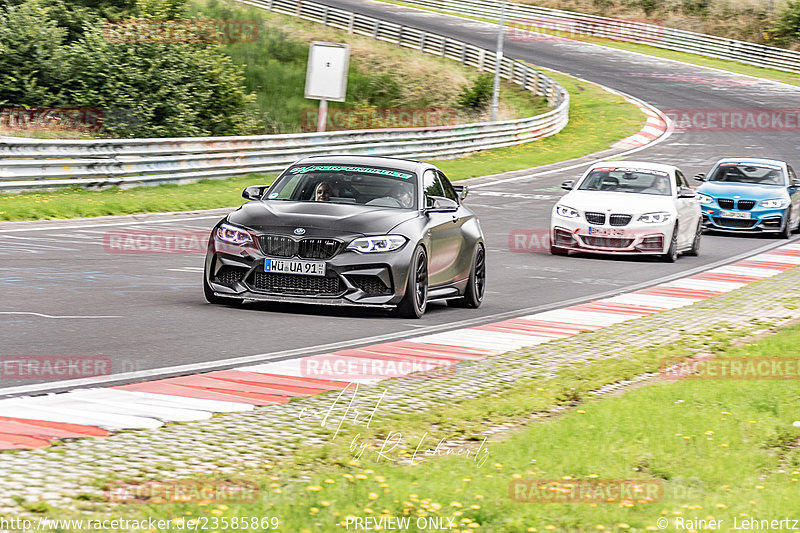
[(653, 35), (35, 163)]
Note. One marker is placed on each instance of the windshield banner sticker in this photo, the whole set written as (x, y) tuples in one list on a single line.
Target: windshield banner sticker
[(338, 168)]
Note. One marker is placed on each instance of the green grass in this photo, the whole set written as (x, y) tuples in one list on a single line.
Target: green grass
[(77, 202), (597, 119), (791, 78), (719, 448)]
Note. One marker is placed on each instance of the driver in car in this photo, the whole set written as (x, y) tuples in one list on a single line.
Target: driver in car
[(323, 192), (402, 193)]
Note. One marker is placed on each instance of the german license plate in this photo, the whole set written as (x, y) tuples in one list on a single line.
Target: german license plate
[(601, 232), (292, 266), (735, 214)]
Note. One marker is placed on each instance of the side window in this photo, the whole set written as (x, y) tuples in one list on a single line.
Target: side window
[(431, 184), (678, 181), (449, 191)]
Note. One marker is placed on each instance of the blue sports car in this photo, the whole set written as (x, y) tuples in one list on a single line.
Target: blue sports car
[(747, 194)]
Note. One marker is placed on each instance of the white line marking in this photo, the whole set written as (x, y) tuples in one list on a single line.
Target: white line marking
[(42, 315)]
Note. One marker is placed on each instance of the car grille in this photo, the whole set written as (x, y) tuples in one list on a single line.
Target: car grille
[(282, 246), (745, 205), (598, 219), (725, 203), (229, 275), (619, 220), (372, 285), (607, 242), (734, 222), (297, 284)]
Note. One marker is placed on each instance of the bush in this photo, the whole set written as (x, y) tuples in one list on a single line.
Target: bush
[(477, 97), (786, 29)]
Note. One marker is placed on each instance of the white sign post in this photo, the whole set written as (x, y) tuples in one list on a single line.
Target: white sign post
[(326, 76)]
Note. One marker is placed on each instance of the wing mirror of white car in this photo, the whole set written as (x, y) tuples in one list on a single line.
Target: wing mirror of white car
[(461, 190), (568, 185), (686, 192), (440, 204), (795, 183), (700, 177), (254, 192)]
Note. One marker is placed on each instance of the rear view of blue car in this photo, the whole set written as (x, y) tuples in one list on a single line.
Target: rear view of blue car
[(745, 194)]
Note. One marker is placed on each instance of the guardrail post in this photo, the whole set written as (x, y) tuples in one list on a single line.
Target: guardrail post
[(325, 16), (444, 47), (269, 5), (524, 77), (481, 57), (298, 10), (463, 54), (400, 36), (351, 21), (422, 42), (376, 29)]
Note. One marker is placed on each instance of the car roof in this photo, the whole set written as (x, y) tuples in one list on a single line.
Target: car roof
[(635, 164), (751, 160), (369, 160)]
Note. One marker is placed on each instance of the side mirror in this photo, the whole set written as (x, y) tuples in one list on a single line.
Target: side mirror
[(686, 192), (700, 177), (796, 182), (440, 204), (568, 185), (461, 190), (254, 192)]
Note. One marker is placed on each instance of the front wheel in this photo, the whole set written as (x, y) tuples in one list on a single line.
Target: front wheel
[(415, 301), (672, 252), (695, 249), (786, 232), (476, 285)]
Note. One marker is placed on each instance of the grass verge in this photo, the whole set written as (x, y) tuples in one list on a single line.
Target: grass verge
[(597, 119), (721, 450)]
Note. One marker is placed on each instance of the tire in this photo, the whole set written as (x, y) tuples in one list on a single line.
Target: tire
[(672, 253), (786, 232), (695, 249), (218, 300), (476, 285), (415, 301), (557, 250)]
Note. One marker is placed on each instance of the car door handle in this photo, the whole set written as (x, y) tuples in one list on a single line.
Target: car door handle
[(455, 218)]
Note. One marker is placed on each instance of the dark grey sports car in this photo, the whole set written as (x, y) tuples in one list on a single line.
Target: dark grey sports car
[(350, 230)]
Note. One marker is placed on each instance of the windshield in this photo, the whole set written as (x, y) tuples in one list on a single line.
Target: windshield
[(631, 180), (343, 184), (747, 173)]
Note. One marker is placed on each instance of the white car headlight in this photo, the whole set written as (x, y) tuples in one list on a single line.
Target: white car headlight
[(704, 198), (382, 243), (566, 212), (233, 234), (655, 218), (775, 202)]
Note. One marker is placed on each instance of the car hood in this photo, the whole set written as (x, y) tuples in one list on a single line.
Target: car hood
[(617, 202), (745, 190), (318, 218)]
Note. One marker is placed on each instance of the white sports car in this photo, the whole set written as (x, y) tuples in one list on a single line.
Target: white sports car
[(628, 207)]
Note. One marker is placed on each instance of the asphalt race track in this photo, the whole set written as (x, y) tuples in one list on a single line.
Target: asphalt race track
[(62, 291)]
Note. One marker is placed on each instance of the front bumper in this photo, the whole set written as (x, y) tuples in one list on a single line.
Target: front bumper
[(351, 278), (634, 239), (760, 220)]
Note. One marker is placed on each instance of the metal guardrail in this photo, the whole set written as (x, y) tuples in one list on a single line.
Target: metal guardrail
[(624, 30), (34, 163)]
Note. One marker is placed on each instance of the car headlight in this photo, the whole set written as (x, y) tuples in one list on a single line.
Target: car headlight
[(654, 218), (233, 234), (704, 198), (775, 202), (567, 212), (382, 243)]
